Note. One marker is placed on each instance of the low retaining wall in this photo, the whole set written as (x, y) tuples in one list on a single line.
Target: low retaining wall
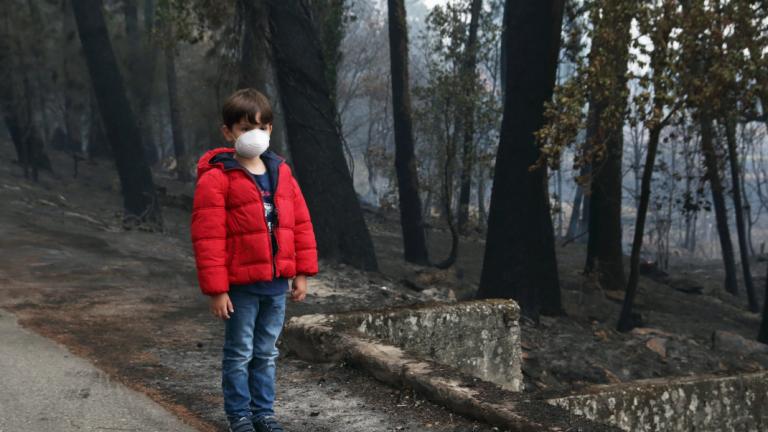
[(700, 403), (338, 337), (481, 338)]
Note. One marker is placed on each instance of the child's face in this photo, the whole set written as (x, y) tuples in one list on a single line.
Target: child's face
[(243, 126)]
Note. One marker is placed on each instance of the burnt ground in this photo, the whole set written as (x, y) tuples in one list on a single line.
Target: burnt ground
[(129, 302)]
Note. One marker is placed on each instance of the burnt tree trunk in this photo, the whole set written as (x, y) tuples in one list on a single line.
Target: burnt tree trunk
[(143, 54), (446, 198), (718, 199), (584, 222), (26, 141), (253, 49), (482, 214), (175, 112), (469, 79), (97, 146), (73, 110), (573, 223), (414, 241), (607, 103), (626, 322), (660, 33), (314, 137), (329, 19), (519, 260), (148, 67), (257, 66), (75, 94), (763, 334), (578, 227), (16, 106), (697, 58), (131, 21), (738, 208), (139, 198)]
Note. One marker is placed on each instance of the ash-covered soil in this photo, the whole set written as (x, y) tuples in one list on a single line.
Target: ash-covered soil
[(129, 302)]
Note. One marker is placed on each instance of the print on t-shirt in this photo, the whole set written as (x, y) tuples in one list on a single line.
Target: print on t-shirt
[(278, 285), (267, 197)]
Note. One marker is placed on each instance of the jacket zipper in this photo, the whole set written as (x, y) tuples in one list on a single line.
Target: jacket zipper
[(266, 224)]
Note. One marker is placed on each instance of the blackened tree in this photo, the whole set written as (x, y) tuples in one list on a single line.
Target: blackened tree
[(657, 23), (468, 76), (607, 95), (519, 260), (763, 334), (314, 136), (414, 242), (697, 84), (17, 101), (139, 197)]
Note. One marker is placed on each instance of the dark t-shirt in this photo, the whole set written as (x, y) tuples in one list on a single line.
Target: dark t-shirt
[(280, 284)]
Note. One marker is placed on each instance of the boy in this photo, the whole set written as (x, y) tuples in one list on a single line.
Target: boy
[(251, 232)]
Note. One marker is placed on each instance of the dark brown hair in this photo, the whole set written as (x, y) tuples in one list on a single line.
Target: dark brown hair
[(246, 103)]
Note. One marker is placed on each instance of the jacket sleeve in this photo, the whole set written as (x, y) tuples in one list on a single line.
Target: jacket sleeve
[(209, 232), (305, 244)]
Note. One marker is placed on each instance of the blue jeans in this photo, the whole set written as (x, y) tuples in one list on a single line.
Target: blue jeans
[(248, 365)]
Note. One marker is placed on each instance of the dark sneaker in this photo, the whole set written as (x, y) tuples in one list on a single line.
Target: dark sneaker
[(243, 424), (267, 424)]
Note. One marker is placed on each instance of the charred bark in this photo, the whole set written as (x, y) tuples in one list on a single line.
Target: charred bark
[(314, 137), (16, 108), (718, 199), (257, 66), (519, 260), (414, 240), (139, 198), (254, 48), (738, 208), (607, 103), (469, 79), (573, 223), (626, 322), (763, 334), (698, 60), (173, 106), (97, 145)]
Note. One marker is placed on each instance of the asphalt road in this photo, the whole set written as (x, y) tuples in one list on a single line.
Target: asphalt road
[(45, 388)]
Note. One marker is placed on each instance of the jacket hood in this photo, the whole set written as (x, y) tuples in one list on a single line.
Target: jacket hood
[(206, 163), (223, 158)]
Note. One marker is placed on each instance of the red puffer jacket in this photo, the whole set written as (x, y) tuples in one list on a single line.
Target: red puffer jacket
[(229, 228)]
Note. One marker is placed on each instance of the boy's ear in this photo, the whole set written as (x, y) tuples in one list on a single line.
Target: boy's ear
[(227, 133), (269, 129)]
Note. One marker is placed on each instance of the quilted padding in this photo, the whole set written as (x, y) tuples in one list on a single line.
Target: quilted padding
[(229, 230)]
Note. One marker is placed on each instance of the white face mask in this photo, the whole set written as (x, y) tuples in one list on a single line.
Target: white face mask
[(252, 144)]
